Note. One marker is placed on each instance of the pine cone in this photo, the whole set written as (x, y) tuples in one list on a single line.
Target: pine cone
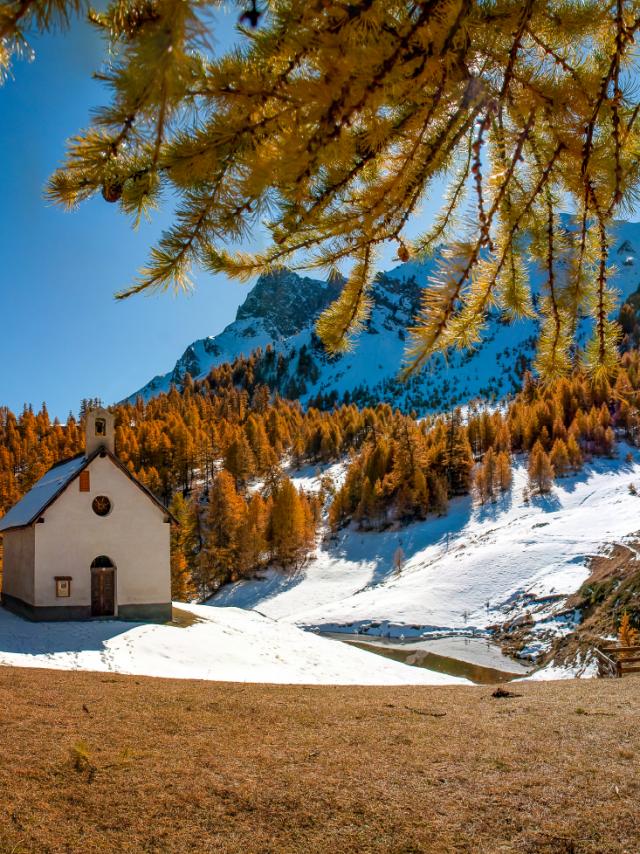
[(111, 192)]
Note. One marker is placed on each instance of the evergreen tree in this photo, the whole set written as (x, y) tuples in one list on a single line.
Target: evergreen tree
[(183, 549), (627, 635), (486, 476), (289, 525), (239, 459), (574, 453), (251, 539), (224, 516), (559, 458), (540, 470), (504, 474)]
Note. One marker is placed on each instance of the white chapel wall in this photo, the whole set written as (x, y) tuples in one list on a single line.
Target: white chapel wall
[(18, 564), (134, 535)]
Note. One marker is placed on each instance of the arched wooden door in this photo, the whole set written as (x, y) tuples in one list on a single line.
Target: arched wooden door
[(103, 587)]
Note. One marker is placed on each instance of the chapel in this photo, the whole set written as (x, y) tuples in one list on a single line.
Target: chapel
[(88, 540)]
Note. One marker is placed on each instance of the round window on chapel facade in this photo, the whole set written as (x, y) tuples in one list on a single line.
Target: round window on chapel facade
[(101, 505)]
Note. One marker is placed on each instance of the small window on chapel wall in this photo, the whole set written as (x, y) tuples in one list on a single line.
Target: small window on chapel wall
[(101, 505), (63, 586), (85, 482), (101, 427)]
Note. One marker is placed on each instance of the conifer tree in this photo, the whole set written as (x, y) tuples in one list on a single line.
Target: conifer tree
[(504, 475), (239, 459), (183, 549), (574, 453), (559, 458), (366, 510), (289, 525), (493, 475), (457, 458), (251, 538), (540, 470), (224, 516), (334, 120), (420, 494), (485, 479), (262, 451), (152, 481), (338, 509), (627, 635), (437, 486)]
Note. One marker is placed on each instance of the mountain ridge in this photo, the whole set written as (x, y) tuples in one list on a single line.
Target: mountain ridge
[(282, 307)]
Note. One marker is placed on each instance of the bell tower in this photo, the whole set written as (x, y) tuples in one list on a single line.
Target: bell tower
[(100, 431)]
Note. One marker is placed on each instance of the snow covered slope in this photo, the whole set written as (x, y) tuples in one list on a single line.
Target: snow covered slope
[(474, 568), (282, 309), (222, 645)]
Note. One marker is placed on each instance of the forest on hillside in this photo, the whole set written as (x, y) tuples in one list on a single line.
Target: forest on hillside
[(337, 120), (220, 453)]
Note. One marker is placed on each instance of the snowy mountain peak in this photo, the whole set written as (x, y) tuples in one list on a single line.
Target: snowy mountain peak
[(284, 302), (281, 310), (280, 305)]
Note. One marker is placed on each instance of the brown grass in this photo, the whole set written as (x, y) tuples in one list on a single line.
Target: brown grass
[(99, 763)]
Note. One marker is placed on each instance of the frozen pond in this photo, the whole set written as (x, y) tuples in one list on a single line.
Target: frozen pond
[(477, 659)]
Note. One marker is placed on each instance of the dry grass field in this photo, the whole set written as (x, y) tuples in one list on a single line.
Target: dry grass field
[(99, 763)]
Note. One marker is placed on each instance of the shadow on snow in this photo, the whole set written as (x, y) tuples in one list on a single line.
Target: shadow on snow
[(18, 635), (252, 591)]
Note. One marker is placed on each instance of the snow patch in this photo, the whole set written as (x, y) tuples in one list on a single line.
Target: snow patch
[(228, 645)]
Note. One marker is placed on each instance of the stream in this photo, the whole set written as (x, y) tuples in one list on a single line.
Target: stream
[(476, 659)]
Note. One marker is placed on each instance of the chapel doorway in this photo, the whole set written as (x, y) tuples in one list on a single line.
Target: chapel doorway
[(103, 587)]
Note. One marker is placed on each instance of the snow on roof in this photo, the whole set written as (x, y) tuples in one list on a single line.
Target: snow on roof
[(31, 505)]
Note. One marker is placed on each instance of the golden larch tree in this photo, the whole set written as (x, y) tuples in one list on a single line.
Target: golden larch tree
[(330, 123)]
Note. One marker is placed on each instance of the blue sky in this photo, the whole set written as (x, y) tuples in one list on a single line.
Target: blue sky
[(62, 335)]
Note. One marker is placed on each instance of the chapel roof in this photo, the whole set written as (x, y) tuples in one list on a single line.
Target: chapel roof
[(45, 491)]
